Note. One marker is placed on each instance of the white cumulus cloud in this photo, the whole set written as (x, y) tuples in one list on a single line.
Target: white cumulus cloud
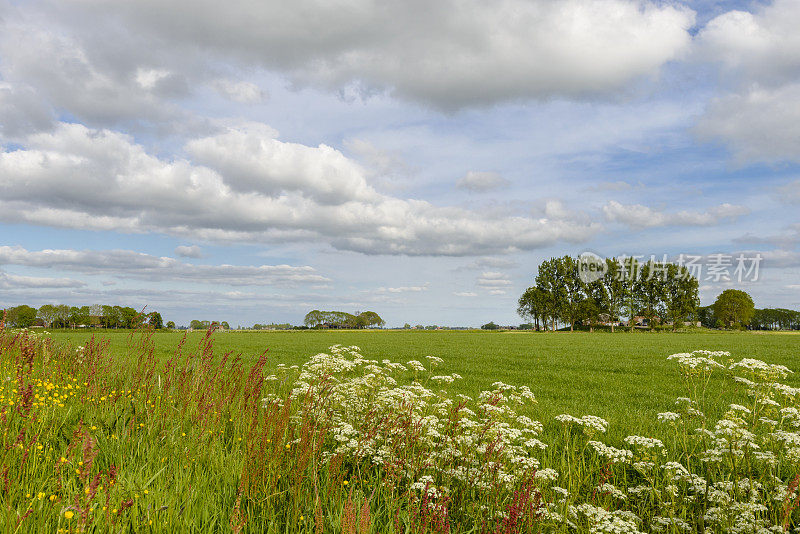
[(463, 53), (137, 265), (245, 185), (640, 216)]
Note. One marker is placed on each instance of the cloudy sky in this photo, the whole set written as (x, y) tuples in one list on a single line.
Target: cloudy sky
[(249, 161)]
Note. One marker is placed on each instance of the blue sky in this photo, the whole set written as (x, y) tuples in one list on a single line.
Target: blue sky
[(252, 162)]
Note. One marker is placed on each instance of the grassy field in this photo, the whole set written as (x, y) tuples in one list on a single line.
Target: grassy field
[(128, 435), (624, 377)]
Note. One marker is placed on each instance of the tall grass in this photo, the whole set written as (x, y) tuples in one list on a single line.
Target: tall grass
[(109, 441)]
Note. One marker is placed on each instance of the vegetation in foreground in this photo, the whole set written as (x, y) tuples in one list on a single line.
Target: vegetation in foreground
[(203, 442)]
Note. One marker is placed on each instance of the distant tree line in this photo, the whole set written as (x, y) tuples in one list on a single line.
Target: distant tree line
[(339, 319), (96, 315), (197, 324), (273, 326), (659, 292), (735, 309)]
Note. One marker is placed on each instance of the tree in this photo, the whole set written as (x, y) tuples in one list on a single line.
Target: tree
[(490, 326), (130, 318), (154, 320), (680, 294), (629, 272), (225, 325), (61, 316), (614, 290), (47, 313), (650, 288), (171, 325), (734, 307), (79, 315), (572, 307), (705, 315), (593, 305), (22, 316), (110, 316), (533, 305), (548, 279), (370, 318), (314, 318), (96, 310), (195, 324)]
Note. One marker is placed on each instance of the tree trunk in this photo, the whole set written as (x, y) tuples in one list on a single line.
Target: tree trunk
[(612, 326)]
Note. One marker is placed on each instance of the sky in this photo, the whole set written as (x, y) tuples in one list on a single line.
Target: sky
[(251, 161)]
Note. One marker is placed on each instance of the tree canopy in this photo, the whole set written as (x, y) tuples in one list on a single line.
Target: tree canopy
[(655, 290), (64, 316), (339, 319), (734, 308)]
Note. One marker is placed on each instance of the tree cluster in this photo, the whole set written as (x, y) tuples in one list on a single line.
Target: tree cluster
[(96, 315), (196, 324), (735, 309), (657, 291), (338, 319)]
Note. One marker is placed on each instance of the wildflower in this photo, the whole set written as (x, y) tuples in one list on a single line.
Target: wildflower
[(69, 514)]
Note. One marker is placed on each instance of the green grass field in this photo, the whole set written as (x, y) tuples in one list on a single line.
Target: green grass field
[(125, 438), (624, 377)]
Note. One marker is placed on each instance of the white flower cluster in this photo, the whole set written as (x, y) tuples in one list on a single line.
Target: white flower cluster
[(699, 360), (728, 475), (381, 413), (591, 424)]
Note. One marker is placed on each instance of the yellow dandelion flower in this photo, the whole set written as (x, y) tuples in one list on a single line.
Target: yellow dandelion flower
[(68, 514)]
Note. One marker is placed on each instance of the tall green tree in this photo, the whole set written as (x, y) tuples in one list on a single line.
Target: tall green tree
[(532, 306), (650, 288), (549, 281), (630, 270), (79, 315), (48, 313), (614, 289), (734, 308), (22, 316), (572, 308), (130, 318), (314, 318), (680, 294), (155, 320), (370, 319)]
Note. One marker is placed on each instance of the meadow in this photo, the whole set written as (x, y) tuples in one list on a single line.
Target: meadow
[(399, 432), (622, 377)]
